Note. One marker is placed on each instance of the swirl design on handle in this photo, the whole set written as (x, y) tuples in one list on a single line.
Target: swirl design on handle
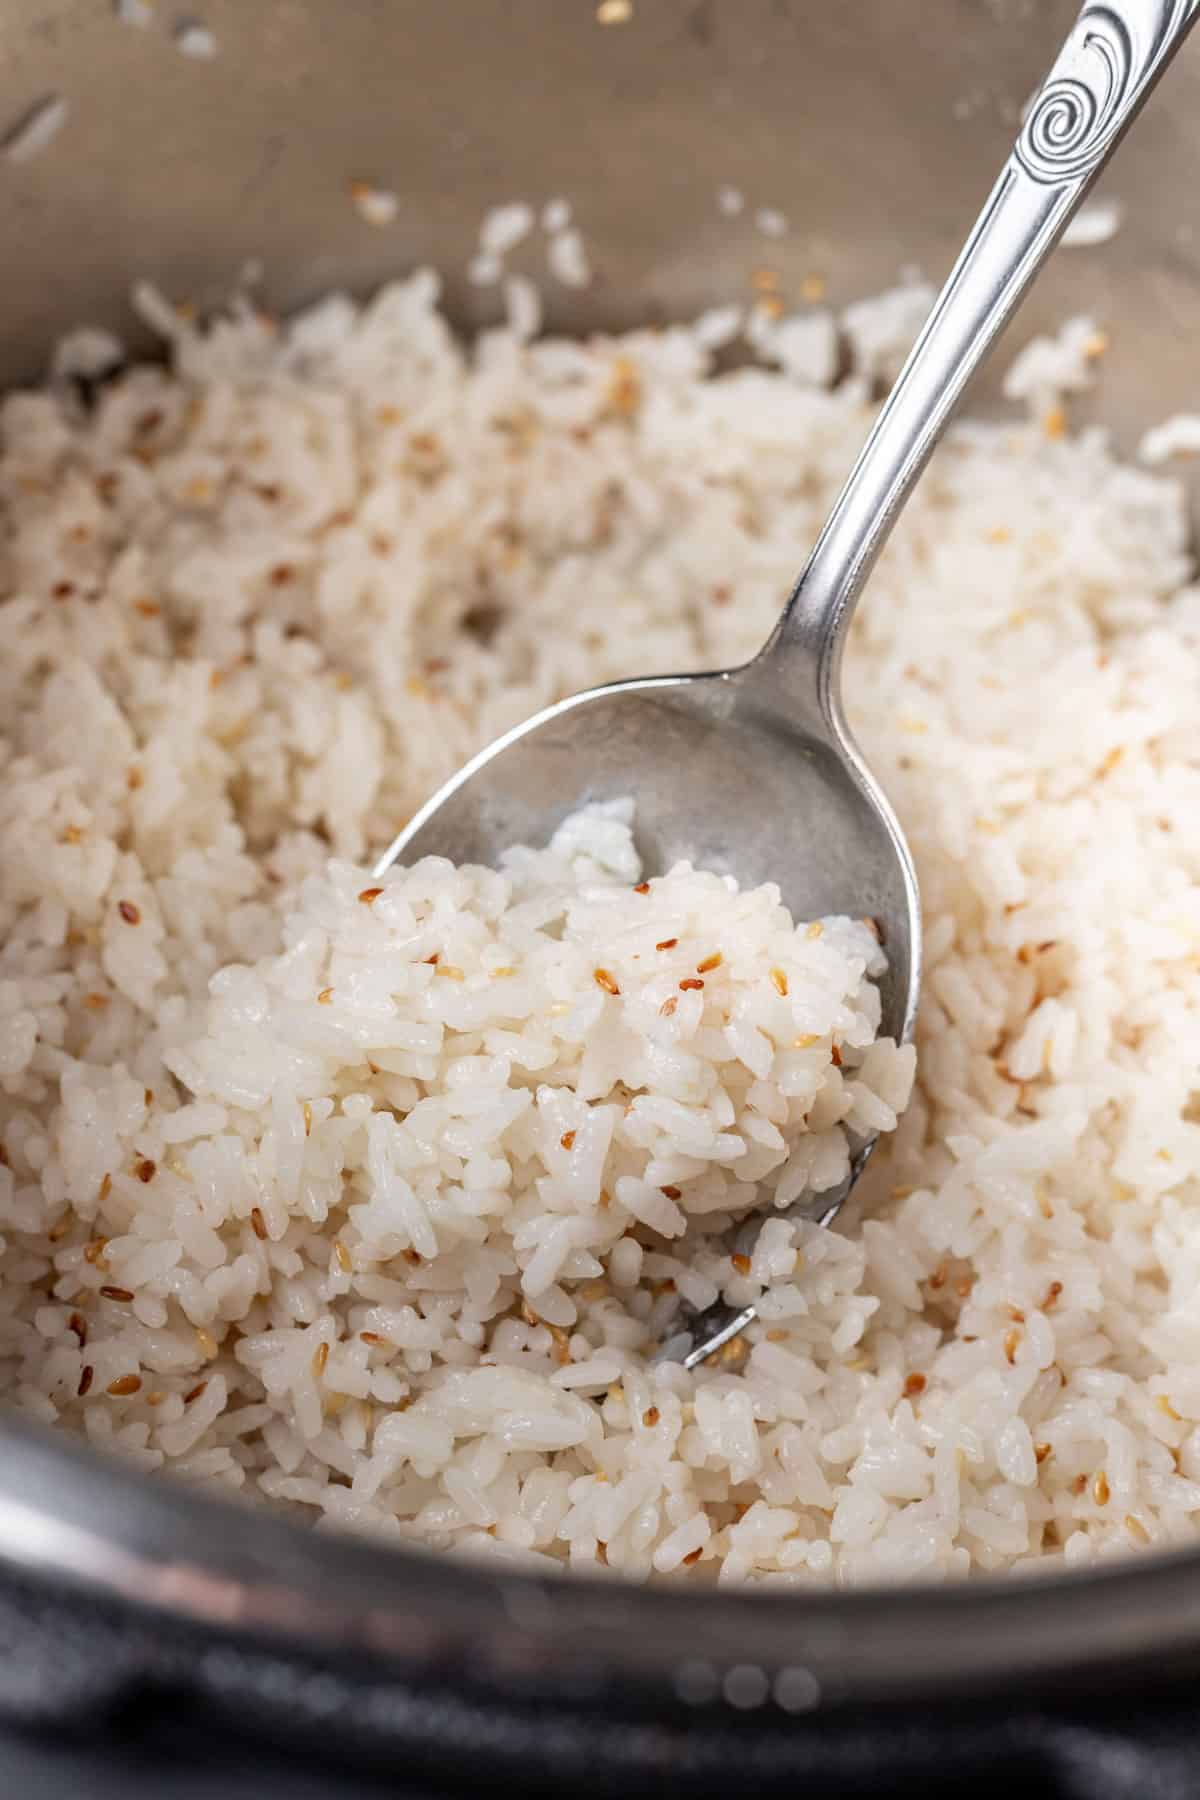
[(1110, 57), (1066, 128)]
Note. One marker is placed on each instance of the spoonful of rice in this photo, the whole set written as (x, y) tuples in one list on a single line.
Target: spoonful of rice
[(752, 771)]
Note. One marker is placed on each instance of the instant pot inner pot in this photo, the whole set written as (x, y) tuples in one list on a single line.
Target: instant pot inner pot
[(876, 128)]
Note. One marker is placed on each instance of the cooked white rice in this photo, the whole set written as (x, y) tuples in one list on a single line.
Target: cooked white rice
[(256, 608)]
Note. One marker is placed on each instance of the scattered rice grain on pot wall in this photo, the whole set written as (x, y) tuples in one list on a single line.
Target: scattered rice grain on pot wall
[(270, 1228)]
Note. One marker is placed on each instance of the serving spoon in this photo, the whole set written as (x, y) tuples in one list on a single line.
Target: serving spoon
[(752, 771)]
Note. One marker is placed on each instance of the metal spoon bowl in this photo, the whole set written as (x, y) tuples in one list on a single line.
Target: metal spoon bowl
[(720, 778), (752, 771)]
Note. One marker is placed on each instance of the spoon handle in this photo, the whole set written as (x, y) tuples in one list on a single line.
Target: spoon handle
[(1104, 73)]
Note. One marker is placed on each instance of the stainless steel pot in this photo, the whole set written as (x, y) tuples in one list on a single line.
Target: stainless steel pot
[(876, 125)]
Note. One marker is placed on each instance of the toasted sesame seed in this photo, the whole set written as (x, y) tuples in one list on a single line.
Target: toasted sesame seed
[(94, 1253), (567, 1140), (710, 962), (145, 1170), (343, 1256), (913, 1385), (368, 896), (86, 1375), (1011, 1340), (780, 981), (117, 1293), (690, 984), (672, 1193), (1041, 1452), (835, 1057), (320, 1358), (667, 944), (124, 1385), (325, 996), (643, 887), (258, 1223), (1101, 1492), (604, 980), (373, 1338), (1016, 1315), (1051, 1295), (668, 1007), (129, 912), (741, 1263), (78, 1324), (693, 1556), (777, 1335), (1079, 1483)]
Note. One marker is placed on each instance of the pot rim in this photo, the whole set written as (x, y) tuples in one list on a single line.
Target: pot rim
[(84, 1521)]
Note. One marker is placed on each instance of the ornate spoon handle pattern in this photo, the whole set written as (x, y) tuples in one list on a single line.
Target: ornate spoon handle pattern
[(1103, 74)]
